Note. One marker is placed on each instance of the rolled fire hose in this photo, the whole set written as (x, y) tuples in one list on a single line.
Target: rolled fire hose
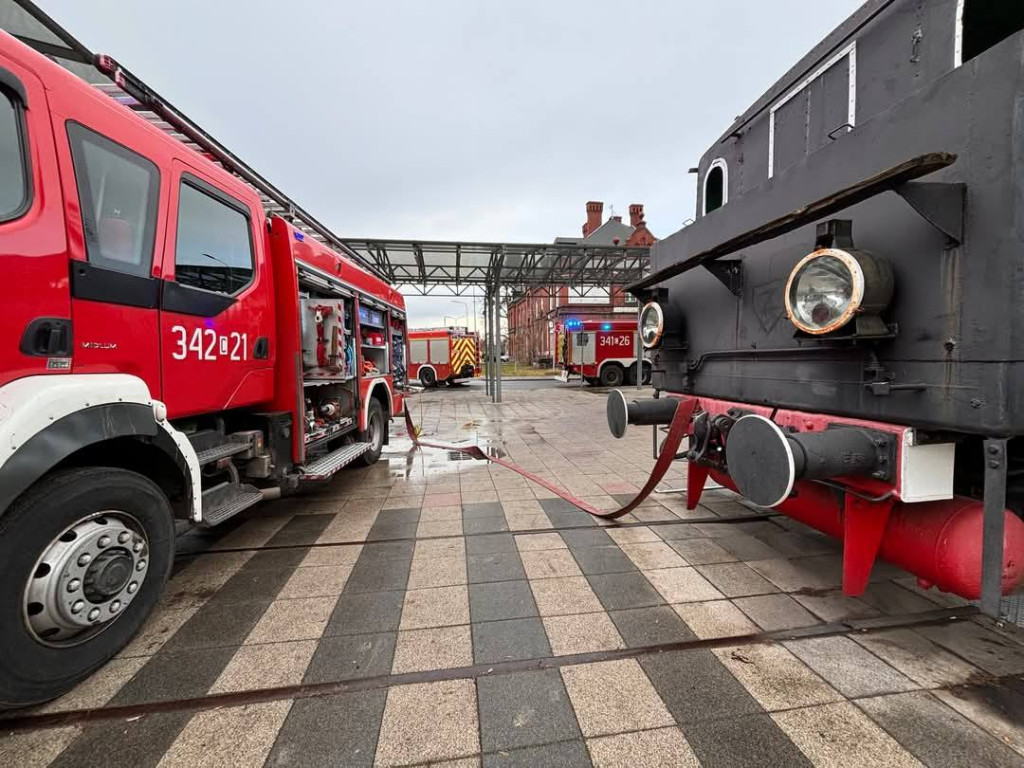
[(677, 430)]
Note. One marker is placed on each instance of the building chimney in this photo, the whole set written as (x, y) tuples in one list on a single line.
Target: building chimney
[(594, 211), (636, 215)]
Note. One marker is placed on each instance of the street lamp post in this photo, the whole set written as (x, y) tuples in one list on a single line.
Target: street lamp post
[(466, 306)]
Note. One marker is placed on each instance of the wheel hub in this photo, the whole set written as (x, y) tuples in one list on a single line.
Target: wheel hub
[(85, 578)]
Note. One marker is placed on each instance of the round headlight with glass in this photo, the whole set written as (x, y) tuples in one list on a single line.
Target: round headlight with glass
[(651, 324), (827, 288)]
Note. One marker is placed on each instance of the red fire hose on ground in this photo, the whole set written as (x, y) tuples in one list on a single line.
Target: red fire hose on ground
[(677, 430)]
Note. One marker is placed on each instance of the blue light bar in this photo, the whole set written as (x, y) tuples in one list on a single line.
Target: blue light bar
[(606, 326)]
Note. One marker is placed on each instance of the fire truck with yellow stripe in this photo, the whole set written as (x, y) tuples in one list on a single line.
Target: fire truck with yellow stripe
[(450, 354)]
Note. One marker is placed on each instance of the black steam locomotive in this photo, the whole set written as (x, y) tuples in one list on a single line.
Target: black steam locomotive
[(847, 305)]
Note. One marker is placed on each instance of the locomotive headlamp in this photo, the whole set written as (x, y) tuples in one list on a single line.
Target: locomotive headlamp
[(652, 324), (830, 286)]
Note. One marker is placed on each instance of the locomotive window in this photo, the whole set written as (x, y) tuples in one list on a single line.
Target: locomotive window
[(716, 192), (14, 186), (214, 245), (118, 191), (985, 23)]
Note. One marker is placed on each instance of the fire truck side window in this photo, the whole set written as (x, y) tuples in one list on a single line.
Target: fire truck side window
[(214, 245), (14, 189), (118, 190)]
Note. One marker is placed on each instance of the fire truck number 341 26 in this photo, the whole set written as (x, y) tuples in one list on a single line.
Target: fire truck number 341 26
[(623, 340), (207, 344)]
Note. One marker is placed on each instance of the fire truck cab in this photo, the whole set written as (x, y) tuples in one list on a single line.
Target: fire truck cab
[(450, 354), (601, 352), (170, 351)]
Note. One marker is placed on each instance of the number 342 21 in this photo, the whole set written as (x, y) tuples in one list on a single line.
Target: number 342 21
[(207, 344)]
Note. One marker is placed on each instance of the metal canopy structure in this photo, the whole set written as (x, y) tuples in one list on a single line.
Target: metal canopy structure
[(448, 267)]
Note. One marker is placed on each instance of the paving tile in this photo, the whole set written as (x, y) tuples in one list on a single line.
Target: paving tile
[(918, 658), (696, 686), (650, 626), (501, 600), (614, 697), (378, 575), (297, 619), (775, 612), (718, 618), (892, 599), (594, 560), (701, 551), (482, 525), (527, 522), (736, 579), (747, 547), (510, 640), (653, 554), (490, 544), (440, 514), (141, 742), (560, 597), (682, 585), (229, 737), (334, 555), (581, 633), (533, 542), (351, 739), (35, 749), (775, 677), (632, 535), (398, 516), (485, 509), (429, 722), (831, 734), (316, 582), (349, 657), (549, 564), (585, 538), (366, 612), (442, 528), (449, 547), (168, 676), (270, 665), (498, 566), (162, 624), (384, 530), (682, 531), (96, 690), (835, 607), (746, 741), (524, 709), (848, 668), (390, 550), (254, 583), (564, 754), (660, 748), (437, 572), (934, 733), (436, 607), (994, 707), (436, 648), (793, 575), (991, 652)]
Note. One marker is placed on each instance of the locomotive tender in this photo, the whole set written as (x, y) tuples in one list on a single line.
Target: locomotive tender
[(846, 307)]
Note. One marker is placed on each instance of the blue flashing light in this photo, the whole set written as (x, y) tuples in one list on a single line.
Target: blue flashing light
[(573, 325), (606, 326), (299, 236)]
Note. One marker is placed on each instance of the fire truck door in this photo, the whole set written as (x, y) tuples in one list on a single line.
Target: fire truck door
[(113, 245), (217, 314), (582, 348)]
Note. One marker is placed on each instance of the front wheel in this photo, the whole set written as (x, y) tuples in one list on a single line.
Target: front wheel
[(374, 434), (612, 375), (86, 553)]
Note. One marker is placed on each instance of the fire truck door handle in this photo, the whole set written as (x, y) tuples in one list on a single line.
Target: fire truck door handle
[(47, 337), (261, 351)]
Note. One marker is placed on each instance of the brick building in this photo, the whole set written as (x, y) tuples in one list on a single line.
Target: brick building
[(534, 316)]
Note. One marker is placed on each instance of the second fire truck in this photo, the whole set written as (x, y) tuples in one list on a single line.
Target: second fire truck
[(450, 354), (600, 351), (171, 350)]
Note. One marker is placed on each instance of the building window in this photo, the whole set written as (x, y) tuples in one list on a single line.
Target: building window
[(14, 182), (981, 24), (716, 186), (118, 191), (214, 245)]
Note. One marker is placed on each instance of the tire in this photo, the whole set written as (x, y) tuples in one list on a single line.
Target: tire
[(57, 521), (631, 375), (612, 375), (427, 378), (374, 434)]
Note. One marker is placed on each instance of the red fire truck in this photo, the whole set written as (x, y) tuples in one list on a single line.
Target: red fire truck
[(449, 354), (170, 350), (601, 351)]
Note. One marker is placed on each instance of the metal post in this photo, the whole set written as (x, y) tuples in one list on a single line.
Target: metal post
[(497, 343), (487, 343), (992, 527), (639, 362)]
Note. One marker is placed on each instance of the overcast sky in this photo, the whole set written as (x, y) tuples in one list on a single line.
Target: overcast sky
[(462, 119)]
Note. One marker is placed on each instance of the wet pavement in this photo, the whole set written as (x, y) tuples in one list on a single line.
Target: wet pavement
[(432, 610)]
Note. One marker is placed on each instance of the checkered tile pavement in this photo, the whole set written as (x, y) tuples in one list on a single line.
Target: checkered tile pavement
[(436, 611)]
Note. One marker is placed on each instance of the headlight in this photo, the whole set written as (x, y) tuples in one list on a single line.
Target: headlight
[(829, 287), (652, 324)]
